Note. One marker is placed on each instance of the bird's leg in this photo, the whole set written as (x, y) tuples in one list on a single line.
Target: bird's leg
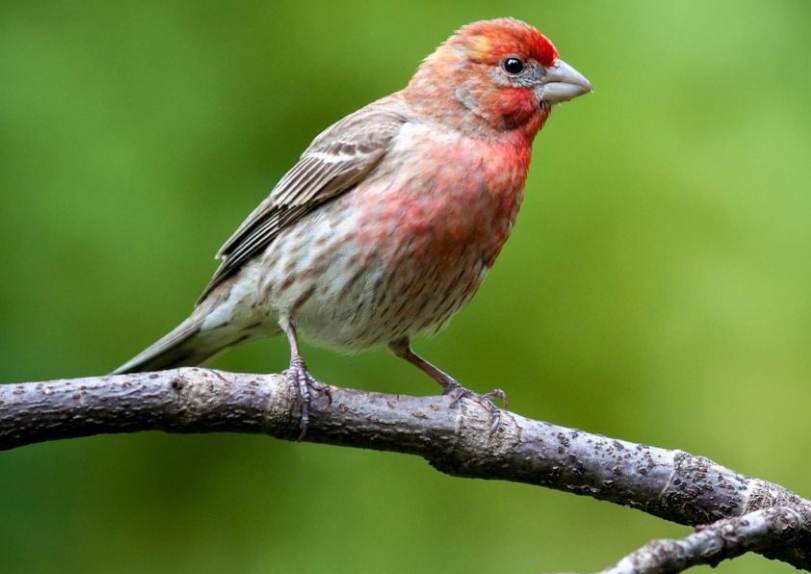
[(402, 348), (300, 378)]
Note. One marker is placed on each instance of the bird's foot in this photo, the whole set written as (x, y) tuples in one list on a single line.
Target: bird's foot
[(305, 386), (458, 392)]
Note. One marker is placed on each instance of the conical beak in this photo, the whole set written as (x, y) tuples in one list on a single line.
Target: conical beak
[(563, 83)]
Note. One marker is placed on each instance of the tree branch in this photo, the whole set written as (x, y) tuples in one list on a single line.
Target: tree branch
[(728, 538), (455, 439)]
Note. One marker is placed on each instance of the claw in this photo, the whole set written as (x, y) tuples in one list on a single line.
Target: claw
[(305, 386), (402, 348), (458, 392)]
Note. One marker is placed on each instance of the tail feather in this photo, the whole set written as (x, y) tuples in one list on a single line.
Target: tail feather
[(181, 347), (195, 340)]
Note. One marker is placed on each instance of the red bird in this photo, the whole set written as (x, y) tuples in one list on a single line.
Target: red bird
[(388, 223)]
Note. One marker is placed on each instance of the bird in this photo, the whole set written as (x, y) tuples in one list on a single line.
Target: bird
[(389, 221)]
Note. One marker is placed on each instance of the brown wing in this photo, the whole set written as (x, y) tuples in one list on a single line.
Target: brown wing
[(337, 160)]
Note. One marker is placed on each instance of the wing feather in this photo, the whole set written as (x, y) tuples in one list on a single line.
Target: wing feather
[(342, 156)]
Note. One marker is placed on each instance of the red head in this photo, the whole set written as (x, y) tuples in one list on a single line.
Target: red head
[(495, 74), (489, 41)]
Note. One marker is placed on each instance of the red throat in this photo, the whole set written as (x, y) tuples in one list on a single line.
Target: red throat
[(518, 109)]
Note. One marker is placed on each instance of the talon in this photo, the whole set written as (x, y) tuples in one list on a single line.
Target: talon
[(305, 385), (485, 400), (497, 394), (324, 390), (402, 348)]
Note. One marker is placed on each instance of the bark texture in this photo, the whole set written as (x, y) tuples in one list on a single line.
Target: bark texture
[(454, 438)]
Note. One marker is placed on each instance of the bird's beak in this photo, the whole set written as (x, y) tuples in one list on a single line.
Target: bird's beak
[(562, 83)]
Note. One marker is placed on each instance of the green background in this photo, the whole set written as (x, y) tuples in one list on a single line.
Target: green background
[(657, 287)]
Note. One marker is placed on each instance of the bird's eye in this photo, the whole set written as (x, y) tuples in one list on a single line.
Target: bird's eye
[(513, 65)]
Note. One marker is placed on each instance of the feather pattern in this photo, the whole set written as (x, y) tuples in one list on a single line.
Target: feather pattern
[(337, 160)]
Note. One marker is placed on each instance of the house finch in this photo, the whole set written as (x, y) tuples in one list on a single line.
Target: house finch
[(388, 223)]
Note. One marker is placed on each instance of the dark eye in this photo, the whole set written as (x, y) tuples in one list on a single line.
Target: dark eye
[(513, 65)]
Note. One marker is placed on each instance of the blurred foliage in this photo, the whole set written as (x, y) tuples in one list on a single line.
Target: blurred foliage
[(656, 287)]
